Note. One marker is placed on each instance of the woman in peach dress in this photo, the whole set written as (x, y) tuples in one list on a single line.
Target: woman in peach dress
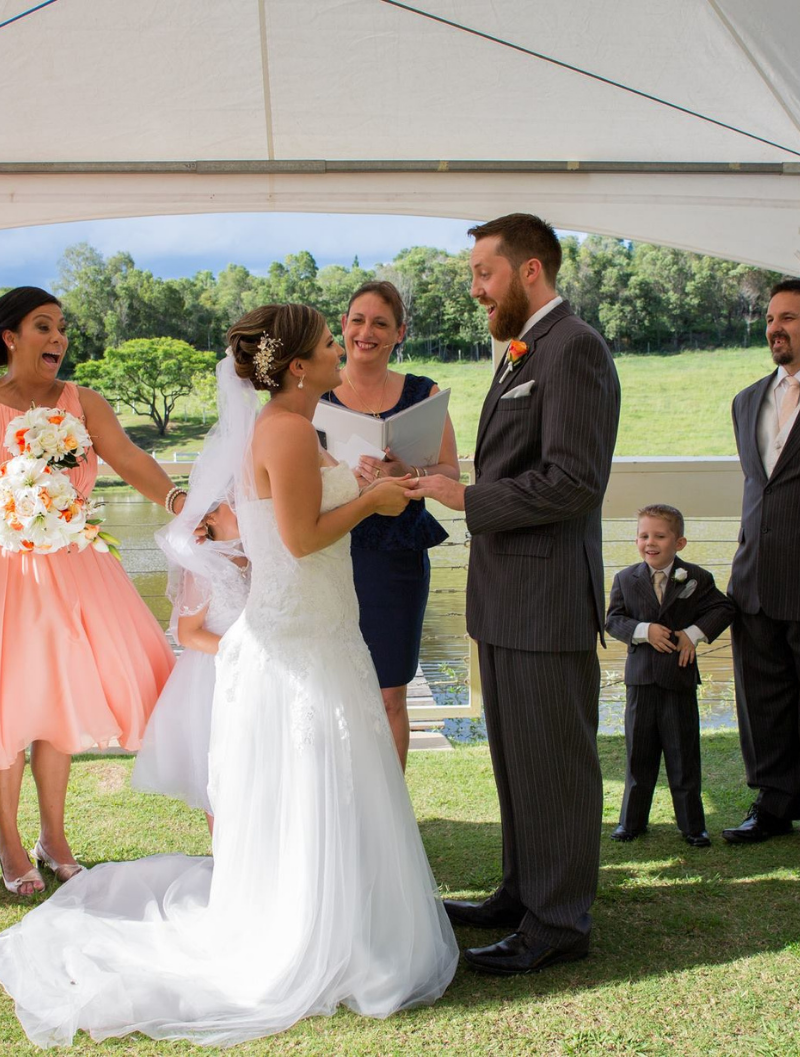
[(82, 660)]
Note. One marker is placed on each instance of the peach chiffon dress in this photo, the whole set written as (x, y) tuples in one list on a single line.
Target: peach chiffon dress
[(82, 659)]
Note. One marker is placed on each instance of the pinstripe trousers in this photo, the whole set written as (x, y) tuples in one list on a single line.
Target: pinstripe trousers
[(766, 668), (541, 719), (659, 720)]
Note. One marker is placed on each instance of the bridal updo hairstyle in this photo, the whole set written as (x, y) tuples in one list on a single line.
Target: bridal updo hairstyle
[(14, 306), (298, 328)]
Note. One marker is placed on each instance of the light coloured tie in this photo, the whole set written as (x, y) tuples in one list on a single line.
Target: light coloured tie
[(791, 396), (658, 584)]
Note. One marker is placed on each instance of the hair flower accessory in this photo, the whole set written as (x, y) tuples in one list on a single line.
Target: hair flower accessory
[(515, 354), (264, 360), (679, 576)]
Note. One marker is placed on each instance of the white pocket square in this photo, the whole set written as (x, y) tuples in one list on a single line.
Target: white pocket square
[(519, 390), (689, 590)]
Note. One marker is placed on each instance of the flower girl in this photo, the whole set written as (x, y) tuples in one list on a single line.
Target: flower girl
[(173, 759), (209, 580)]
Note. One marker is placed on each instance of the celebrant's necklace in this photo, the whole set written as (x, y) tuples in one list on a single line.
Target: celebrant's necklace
[(375, 414)]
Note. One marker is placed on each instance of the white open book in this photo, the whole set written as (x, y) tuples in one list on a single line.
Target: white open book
[(414, 435)]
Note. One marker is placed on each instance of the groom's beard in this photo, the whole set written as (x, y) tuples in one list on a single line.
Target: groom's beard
[(511, 314)]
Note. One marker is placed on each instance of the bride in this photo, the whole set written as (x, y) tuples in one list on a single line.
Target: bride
[(319, 892)]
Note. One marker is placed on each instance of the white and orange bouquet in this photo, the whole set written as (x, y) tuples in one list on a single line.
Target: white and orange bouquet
[(49, 433), (41, 511)]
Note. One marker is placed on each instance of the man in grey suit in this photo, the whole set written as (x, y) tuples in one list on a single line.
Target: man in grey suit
[(764, 580), (535, 593)]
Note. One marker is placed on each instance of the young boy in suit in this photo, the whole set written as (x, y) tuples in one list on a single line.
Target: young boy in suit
[(662, 607)]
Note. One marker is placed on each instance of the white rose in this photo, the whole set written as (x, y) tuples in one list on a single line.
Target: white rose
[(679, 576)]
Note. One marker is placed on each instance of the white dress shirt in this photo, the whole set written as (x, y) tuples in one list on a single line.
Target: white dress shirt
[(540, 314), (770, 439)]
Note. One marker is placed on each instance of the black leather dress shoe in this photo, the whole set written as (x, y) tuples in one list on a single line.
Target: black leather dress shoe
[(515, 955), (490, 914), (620, 833), (698, 840), (758, 826)]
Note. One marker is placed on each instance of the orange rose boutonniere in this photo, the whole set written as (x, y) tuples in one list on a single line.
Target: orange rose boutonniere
[(515, 354)]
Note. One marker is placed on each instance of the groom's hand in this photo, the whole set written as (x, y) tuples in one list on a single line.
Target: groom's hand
[(443, 489)]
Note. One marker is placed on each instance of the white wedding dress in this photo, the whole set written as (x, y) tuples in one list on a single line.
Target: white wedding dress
[(319, 893)]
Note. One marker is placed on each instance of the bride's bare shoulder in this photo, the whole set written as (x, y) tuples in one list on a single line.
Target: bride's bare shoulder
[(277, 427)]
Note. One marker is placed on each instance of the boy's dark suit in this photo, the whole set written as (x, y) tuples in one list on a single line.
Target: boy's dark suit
[(661, 711)]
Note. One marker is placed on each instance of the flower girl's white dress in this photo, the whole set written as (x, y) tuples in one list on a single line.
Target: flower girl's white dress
[(173, 759), (319, 892)]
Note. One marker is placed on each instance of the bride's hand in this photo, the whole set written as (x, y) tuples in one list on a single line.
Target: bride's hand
[(388, 495)]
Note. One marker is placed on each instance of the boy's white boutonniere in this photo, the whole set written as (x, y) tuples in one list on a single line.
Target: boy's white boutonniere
[(679, 577)]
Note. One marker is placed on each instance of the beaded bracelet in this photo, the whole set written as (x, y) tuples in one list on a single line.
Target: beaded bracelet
[(171, 496)]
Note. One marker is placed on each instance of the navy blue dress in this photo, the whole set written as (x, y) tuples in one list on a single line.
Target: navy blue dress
[(392, 571)]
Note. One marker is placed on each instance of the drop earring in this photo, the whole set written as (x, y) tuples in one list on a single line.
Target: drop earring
[(301, 383)]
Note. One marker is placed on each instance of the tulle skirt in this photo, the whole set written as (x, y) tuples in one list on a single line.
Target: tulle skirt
[(173, 759), (319, 893), (82, 659)]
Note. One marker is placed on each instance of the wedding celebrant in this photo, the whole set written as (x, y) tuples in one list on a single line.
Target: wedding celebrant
[(391, 567)]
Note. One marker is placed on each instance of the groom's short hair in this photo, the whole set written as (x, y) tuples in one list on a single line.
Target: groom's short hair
[(523, 236)]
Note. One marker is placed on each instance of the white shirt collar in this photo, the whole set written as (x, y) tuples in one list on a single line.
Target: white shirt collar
[(541, 313), (666, 570)]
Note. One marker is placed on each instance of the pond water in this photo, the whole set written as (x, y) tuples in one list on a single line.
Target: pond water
[(445, 647)]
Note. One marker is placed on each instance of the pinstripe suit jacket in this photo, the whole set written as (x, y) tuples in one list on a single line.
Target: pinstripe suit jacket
[(770, 531), (633, 600), (542, 463)]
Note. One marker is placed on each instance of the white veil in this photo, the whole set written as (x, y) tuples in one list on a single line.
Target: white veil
[(212, 481)]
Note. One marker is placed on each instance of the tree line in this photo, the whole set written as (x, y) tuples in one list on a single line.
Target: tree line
[(642, 298)]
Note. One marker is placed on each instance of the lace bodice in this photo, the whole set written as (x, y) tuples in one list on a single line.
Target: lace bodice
[(289, 595)]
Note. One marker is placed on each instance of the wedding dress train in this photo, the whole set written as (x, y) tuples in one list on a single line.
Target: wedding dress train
[(319, 893)]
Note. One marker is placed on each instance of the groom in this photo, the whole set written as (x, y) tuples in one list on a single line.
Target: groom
[(535, 593)]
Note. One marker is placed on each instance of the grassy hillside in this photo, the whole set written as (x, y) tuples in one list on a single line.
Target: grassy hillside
[(671, 405)]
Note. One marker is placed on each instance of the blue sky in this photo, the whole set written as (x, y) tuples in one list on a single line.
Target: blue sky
[(175, 246)]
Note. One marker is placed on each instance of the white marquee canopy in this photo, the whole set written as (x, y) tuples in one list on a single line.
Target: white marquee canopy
[(676, 123)]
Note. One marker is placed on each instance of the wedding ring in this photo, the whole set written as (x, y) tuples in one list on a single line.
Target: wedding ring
[(378, 472)]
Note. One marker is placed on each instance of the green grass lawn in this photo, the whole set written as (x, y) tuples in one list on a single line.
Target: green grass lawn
[(671, 405), (696, 952)]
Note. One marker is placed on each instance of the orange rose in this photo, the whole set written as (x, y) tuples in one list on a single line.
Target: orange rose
[(56, 419), (27, 544), (19, 436), (516, 350)]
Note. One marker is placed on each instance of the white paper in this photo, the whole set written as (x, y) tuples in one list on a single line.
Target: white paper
[(414, 435)]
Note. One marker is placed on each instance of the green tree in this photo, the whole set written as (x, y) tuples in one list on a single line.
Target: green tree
[(86, 289), (147, 374)]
